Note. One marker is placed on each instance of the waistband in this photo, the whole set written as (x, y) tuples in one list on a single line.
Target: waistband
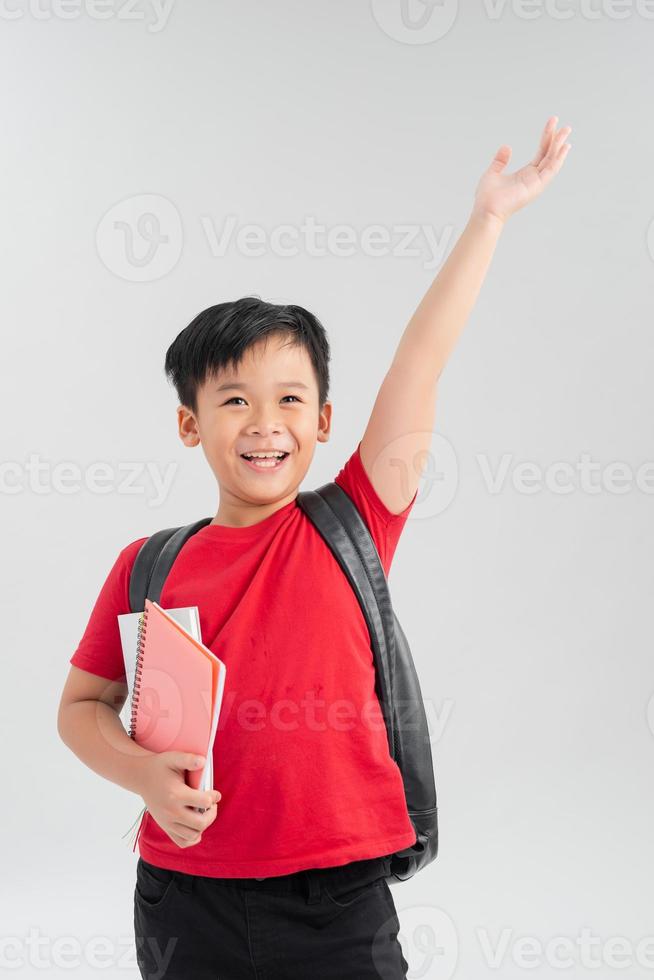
[(308, 879)]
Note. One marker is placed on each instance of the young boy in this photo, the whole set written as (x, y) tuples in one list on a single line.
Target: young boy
[(284, 874)]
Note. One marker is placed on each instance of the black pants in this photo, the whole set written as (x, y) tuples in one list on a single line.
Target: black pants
[(321, 924)]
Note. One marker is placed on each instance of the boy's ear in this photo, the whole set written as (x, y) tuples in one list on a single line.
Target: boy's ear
[(324, 422), (187, 426)]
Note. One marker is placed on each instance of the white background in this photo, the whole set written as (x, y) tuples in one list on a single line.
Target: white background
[(528, 613)]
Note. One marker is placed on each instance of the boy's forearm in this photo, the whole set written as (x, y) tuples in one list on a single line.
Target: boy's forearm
[(434, 328), (94, 732)]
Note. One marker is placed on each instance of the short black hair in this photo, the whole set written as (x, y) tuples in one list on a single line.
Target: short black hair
[(219, 336)]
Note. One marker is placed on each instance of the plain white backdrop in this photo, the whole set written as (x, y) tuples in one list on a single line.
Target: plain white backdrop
[(159, 159)]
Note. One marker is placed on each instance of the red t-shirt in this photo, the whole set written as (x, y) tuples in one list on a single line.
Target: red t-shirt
[(301, 753)]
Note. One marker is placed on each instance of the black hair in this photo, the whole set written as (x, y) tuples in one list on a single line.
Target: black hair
[(219, 336)]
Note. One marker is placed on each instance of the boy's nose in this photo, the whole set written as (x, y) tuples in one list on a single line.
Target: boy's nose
[(263, 428)]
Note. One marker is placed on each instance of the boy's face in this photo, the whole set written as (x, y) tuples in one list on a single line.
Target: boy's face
[(269, 402)]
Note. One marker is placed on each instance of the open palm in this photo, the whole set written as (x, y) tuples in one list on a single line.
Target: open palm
[(502, 194)]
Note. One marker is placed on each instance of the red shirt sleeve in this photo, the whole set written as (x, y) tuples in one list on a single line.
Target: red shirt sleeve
[(100, 651), (384, 526)]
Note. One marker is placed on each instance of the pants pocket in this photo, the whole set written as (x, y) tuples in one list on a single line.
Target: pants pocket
[(154, 885), (346, 895)]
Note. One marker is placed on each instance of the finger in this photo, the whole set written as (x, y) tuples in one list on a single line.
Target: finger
[(559, 140), (181, 842), (560, 157), (185, 760), (552, 164), (186, 834), (194, 821), (545, 140), (500, 159), (555, 146), (196, 797), (552, 167)]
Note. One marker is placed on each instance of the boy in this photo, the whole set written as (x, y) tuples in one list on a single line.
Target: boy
[(284, 874)]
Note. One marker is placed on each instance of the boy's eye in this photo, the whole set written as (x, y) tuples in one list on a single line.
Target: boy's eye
[(237, 398)]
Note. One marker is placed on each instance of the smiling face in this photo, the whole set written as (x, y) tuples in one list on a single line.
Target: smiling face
[(270, 401)]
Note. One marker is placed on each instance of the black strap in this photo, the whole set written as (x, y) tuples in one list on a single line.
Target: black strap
[(154, 561), (339, 522)]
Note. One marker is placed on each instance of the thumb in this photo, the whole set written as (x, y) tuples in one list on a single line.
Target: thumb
[(186, 760), (500, 159)]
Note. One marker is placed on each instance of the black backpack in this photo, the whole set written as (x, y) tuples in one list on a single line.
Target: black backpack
[(397, 687)]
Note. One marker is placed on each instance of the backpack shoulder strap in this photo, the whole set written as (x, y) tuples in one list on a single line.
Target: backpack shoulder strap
[(339, 522), (155, 559)]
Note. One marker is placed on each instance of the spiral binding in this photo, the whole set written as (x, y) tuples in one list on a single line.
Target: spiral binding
[(138, 670)]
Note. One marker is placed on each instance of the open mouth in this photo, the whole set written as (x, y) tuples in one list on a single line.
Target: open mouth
[(261, 464)]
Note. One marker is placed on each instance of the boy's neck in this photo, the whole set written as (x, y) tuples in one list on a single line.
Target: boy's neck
[(237, 513)]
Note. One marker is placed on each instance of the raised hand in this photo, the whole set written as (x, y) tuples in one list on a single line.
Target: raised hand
[(501, 194)]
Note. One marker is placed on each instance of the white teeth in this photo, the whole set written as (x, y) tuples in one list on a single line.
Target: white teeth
[(271, 455), (265, 460)]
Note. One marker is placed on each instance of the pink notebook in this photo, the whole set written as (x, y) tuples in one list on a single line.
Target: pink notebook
[(178, 690)]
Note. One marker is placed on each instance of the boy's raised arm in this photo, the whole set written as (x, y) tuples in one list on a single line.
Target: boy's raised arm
[(397, 438)]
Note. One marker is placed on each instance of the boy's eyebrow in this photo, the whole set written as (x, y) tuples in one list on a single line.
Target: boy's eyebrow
[(281, 384)]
